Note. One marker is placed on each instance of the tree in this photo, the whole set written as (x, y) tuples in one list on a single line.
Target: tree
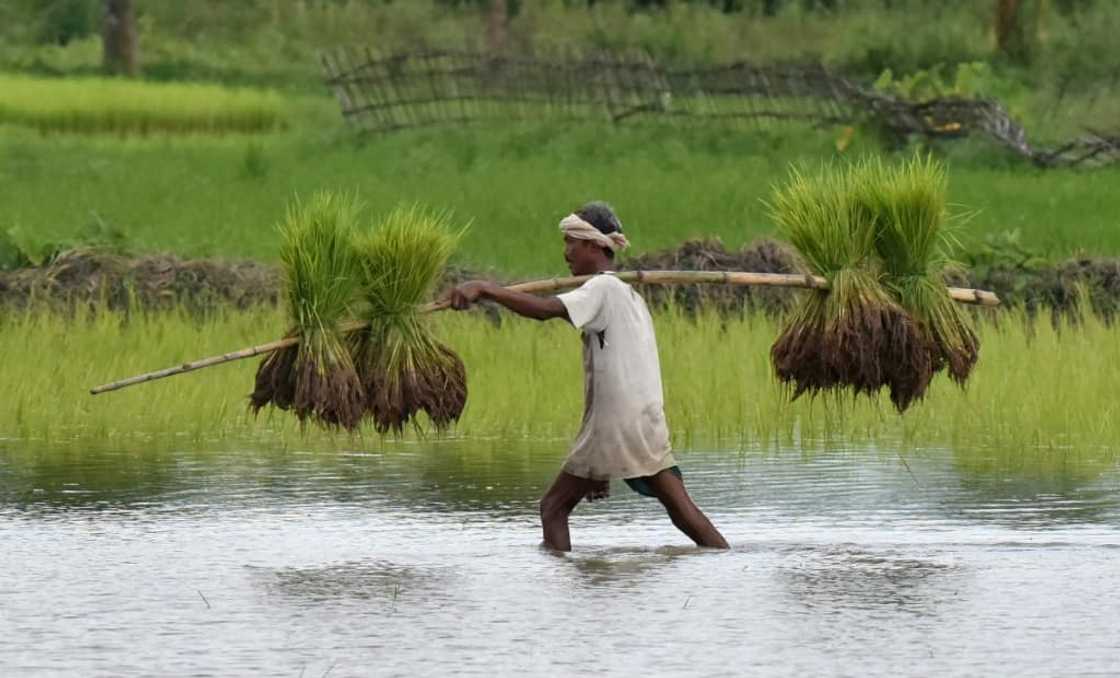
[(497, 25), (1017, 28), (118, 38)]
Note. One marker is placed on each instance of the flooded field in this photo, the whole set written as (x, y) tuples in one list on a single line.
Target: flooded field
[(423, 559)]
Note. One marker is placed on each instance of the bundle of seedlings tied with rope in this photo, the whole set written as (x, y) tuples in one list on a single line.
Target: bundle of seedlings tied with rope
[(403, 368), (908, 204), (854, 335), (316, 378)]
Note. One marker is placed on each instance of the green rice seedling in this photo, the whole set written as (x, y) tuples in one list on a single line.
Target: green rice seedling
[(852, 335), (316, 378), (907, 203), (719, 391), (110, 106), (403, 368)]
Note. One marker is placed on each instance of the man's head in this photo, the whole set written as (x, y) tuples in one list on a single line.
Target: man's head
[(587, 256)]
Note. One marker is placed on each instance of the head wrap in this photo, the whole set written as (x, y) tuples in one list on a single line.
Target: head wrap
[(575, 227)]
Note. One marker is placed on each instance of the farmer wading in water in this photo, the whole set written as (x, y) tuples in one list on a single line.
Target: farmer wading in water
[(624, 434)]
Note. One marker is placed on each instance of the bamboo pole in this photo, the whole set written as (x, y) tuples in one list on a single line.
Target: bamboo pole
[(735, 278)]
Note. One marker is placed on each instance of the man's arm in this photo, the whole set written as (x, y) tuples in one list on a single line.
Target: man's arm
[(528, 305)]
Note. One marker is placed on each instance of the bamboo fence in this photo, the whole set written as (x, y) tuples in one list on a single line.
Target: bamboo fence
[(384, 92)]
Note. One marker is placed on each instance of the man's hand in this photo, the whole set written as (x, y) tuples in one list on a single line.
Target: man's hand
[(528, 305), (464, 295)]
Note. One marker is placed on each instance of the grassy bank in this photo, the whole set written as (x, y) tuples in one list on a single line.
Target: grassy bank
[(98, 105), (1036, 387), (203, 196)]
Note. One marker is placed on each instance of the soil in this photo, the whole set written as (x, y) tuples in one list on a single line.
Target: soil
[(90, 278)]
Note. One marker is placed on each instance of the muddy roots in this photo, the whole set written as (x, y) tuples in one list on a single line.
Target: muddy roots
[(328, 393), (276, 381), (861, 344), (320, 386), (960, 356), (404, 378)]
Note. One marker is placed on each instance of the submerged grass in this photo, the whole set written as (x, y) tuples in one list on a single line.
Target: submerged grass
[(123, 107), (526, 382)]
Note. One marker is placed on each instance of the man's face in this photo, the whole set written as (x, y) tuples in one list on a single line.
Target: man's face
[(580, 255)]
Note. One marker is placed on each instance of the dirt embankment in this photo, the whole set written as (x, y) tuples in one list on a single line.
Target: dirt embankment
[(91, 278)]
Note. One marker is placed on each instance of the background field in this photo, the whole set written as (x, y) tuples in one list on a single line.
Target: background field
[(219, 195)]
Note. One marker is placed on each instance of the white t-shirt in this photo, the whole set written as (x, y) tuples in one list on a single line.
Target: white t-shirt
[(624, 434)]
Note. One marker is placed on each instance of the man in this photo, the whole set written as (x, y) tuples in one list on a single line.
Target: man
[(624, 434)]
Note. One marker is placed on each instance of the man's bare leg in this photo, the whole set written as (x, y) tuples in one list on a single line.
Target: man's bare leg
[(688, 518), (558, 503)]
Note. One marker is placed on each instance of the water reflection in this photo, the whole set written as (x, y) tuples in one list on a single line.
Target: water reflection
[(504, 479), (625, 568), (377, 580), (847, 576), (1035, 488)]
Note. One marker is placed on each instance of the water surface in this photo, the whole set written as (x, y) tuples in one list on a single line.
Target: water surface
[(423, 559)]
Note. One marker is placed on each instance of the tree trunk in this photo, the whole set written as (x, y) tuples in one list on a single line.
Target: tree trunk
[(497, 25), (118, 38), (1018, 23)]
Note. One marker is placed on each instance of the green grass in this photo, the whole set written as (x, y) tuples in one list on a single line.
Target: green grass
[(403, 367), (1036, 387), (222, 196), (122, 107)]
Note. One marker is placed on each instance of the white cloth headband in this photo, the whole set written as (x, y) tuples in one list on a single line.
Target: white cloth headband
[(575, 227)]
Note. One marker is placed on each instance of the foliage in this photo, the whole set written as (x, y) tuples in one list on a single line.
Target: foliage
[(20, 248), (275, 43), (190, 196), (717, 376), (97, 105), (907, 203), (1002, 250), (852, 336), (316, 379), (972, 80), (404, 369)]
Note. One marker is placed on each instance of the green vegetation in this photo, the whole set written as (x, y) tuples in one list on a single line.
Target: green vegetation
[(145, 185), (907, 204), (405, 370), (337, 273), (316, 378), (98, 105), (1065, 83), (1036, 386), (203, 196), (853, 335)]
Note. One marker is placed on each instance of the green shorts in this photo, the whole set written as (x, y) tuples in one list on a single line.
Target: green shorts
[(641, 485)]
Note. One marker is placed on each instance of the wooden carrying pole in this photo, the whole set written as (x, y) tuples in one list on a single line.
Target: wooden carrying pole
[(963, 295)]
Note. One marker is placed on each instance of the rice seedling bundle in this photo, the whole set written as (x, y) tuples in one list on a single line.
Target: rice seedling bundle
[(854, 335), (404, 369), (908, 205), (316, 378)]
